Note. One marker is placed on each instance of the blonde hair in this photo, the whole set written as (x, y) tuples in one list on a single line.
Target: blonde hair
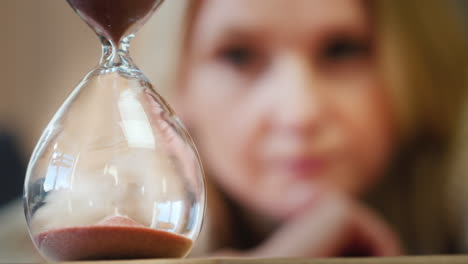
[(423, 61)]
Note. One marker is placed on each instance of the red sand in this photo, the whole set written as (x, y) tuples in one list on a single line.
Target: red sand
[(114, 238), (113, 17)]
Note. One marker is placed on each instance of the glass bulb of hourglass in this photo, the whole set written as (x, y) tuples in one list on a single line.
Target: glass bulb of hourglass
[(115, 174)]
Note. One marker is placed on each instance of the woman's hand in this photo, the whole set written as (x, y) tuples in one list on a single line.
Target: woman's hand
[(333, 225)]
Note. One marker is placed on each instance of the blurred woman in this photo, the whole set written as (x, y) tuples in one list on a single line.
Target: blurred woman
[(326, 127)]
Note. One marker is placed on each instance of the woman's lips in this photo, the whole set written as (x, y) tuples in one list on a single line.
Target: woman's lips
[(302, 167)]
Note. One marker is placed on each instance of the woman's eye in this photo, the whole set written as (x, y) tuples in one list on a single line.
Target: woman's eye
[(239, 57), (342, 50)]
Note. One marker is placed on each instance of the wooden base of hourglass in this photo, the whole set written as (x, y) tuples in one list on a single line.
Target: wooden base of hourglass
[(114, 238)]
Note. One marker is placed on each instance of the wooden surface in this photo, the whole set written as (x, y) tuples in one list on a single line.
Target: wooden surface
[(400, 260)]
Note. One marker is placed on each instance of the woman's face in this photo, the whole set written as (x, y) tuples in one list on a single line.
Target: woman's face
[(284, 99)]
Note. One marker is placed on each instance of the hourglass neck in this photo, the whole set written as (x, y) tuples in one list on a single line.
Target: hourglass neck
[(116, 54)]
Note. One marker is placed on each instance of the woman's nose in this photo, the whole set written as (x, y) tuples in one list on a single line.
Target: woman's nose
[(299, 104)]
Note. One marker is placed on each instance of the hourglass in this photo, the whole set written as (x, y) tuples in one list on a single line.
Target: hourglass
[(115, 175)]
